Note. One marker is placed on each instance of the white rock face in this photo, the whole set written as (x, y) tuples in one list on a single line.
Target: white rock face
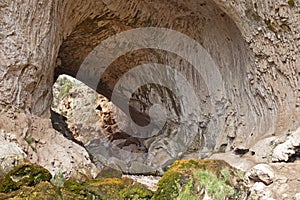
[(262, 173), (285, 150), (258, 192), (254, 44), (297, 196), (44, 146), (10, 155)]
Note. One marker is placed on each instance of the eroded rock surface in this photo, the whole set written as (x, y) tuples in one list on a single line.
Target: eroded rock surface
[(45, 146), (254, 44), (289, 149), (11, 155)]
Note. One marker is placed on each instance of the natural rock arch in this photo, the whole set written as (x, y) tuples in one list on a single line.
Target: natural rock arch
[(252, 41)]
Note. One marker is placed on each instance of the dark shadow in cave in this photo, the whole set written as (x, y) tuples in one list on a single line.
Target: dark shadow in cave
[(59, 123), (205, 22)]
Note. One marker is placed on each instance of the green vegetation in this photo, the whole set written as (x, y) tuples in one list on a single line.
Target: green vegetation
[(65, 86), (186, 193), (136, 192), (168, 186), (215, 187), (58, 180), (192, 179), (33, 182), (24, 175), (30, 141), (185, 180), (291, 3)]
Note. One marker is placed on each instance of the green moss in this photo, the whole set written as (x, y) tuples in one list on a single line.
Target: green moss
[(291, 3), (33, 182), (215, 187), (19, 110), (24, 175), (136, 192), (168, 186), (30, 140), (106, 188), (191, 179), (78, 189), (186, 193), (226, 174), (185, 180), (241, 175)]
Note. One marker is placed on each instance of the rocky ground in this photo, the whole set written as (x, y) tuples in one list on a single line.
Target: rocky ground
[(271, 164), (270, 167), (222, 76)]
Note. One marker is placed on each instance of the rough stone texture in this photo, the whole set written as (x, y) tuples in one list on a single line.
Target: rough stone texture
[(31, 35), (255, 44), (289, 149), (262, 173), (297, 196), (258, 192), (258, 64), (78, 104), (11, 154), (47, 147), (285, 176)]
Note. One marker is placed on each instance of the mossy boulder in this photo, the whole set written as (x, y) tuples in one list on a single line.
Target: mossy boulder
[(24, 175), (108, 188), (101, 188), (193, 179), (186, 180), (43, 190), (136, 192)]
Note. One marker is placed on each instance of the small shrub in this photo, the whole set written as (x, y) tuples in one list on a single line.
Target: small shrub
[(58, 180)]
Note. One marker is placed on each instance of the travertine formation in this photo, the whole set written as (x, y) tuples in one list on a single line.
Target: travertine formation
[(253, 43)]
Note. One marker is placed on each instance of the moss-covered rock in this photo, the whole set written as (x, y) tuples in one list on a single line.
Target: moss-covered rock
[(186, 180), (106, 188), (102, 188), (109, 188), (24, 175), (136, 192), (43, 190), (193, 179)]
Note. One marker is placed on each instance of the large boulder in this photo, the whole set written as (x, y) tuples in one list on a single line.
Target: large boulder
[(202, 179)]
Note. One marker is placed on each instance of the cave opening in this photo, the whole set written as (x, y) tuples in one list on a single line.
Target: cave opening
[(78, 112), (90, 119), (212, 114)]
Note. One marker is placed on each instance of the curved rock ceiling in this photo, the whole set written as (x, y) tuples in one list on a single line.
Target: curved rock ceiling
[(254, 45), (213, 29)]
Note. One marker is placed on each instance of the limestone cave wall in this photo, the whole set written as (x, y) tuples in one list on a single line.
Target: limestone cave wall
[(255, 45)]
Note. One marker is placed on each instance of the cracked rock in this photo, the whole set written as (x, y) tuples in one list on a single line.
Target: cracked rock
[(287, 149), (262, 173)]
